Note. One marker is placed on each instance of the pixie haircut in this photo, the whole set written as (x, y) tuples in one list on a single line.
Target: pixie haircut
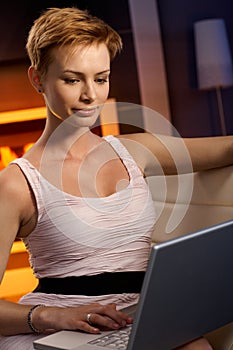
[(67, 26)]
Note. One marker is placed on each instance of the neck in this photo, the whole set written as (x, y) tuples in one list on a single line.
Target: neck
[(62, 139)]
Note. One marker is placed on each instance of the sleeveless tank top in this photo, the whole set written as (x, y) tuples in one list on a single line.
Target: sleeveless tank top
[(77, 236)]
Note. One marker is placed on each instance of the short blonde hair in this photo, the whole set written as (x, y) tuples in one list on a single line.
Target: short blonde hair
[(67, 26)]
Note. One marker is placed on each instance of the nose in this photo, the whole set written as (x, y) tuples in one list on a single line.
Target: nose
[(88, 93)]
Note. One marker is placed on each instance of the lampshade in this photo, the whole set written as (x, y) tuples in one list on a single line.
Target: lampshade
[(213, 57)]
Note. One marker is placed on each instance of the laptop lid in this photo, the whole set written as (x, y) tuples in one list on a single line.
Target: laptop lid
[(187, 292)]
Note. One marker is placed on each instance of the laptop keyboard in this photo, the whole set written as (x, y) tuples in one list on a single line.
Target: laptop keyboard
[(114, 340)]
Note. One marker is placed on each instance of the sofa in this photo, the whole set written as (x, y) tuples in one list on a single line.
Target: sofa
[(189, 202)]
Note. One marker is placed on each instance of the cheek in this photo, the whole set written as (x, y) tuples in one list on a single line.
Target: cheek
[(62, 96), (104, 93), (57, 101)]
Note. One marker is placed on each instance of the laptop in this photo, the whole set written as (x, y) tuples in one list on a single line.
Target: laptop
[(187, 292)]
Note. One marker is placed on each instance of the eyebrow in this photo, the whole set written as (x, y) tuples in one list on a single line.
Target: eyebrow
[(80, 73)]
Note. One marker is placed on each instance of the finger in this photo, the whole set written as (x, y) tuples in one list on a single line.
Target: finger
[(112, 318), (118, 316), (128, 318), (103, 321), (86, 327)]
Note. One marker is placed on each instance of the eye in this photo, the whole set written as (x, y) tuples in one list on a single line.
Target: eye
[(71, 81), (101, 80)]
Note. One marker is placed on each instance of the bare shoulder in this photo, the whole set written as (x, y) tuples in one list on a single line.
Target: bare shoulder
[(144, 148), (13, 187), (11, 180), (139, 140), (149, 141), (152, 152)]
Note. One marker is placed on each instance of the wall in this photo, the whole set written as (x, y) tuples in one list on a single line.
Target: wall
[(194, 112), (16, 19), (150, 66)]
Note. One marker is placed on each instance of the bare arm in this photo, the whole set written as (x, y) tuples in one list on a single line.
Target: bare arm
[(16, 209), (12, 316), (158, 154)]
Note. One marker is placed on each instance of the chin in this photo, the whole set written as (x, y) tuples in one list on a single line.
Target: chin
[(78, 121)]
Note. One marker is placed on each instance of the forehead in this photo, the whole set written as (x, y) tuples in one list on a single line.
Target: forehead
[(81, 57)]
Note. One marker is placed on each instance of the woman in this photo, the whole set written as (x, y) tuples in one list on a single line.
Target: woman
[(79, 201)]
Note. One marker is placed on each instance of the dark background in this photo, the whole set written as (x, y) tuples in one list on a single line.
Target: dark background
[(193, 112)]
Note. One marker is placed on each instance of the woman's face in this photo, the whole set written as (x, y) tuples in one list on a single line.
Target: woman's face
[(77, 82)]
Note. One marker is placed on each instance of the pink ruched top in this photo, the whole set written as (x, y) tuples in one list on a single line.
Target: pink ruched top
[(78, 236)]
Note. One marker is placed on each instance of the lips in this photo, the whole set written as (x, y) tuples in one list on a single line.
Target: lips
[(87, 112)]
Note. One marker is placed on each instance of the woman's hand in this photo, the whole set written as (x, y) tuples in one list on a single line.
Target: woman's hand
[(89, 318)]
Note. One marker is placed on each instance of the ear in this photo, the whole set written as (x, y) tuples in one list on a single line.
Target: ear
[(35, 79)]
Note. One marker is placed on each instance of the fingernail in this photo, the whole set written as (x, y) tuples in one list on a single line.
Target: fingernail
[(96, 330)]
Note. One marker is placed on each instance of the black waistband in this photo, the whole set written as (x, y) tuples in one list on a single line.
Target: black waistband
[(106, 283)]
